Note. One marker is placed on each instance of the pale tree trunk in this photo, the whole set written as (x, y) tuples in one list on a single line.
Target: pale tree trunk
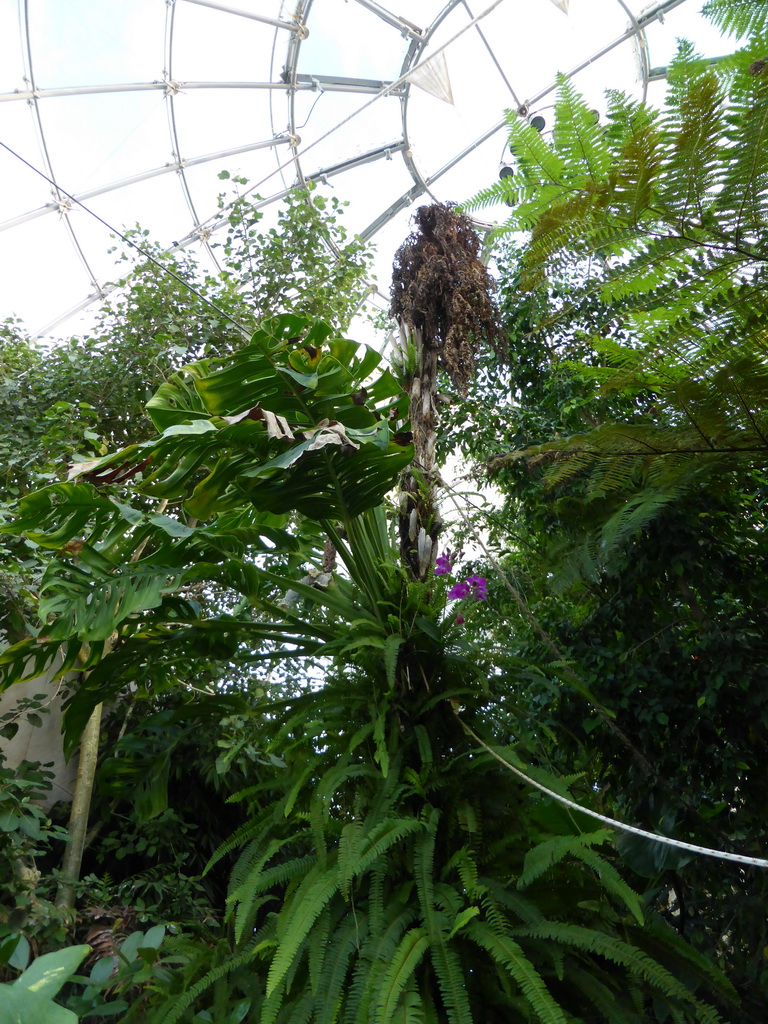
[(419, 520), (81, 806)]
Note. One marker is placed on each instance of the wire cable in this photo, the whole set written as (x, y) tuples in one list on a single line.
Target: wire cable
[(385, 91), (147, 256), (758, 862), (612, 822)]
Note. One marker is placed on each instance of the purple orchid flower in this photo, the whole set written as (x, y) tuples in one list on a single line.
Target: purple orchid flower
[(445, 562), (475, 587), (479, 587)]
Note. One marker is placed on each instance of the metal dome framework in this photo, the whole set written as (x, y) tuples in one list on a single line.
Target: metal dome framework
[(288, 143)]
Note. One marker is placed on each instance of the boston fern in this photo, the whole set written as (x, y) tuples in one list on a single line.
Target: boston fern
[(439, 891), (662, 216)]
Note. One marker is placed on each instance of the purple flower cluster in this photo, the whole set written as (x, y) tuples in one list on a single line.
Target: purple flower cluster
[(444, 563), (473, 587)]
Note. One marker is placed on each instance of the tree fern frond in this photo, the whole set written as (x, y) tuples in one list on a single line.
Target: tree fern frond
[(579, 136), (739, 17)]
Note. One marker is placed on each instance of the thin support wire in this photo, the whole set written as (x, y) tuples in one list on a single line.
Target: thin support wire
[(704, 850), (50, 177), (738, 858), (128, 241)]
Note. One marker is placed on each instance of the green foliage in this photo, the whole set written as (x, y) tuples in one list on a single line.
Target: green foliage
[(300, 438), (669, 208), (631, 455), (412, 895), (739, 17), (26, 838), (381, 869), (328, 281), (163, 313), (30, 996)]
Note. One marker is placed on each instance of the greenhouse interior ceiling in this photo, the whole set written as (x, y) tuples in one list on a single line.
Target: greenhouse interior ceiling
[(127, 113)]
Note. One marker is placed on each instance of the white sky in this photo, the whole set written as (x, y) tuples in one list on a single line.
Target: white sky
[(96, 139)]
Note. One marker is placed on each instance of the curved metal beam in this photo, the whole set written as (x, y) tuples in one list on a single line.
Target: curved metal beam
[(169, 168), (290, 26)]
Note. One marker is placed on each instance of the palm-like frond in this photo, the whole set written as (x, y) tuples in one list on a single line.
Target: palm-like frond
[(662, 217)]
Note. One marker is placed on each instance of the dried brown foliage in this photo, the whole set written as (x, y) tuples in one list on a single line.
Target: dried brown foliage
[(441, 288)]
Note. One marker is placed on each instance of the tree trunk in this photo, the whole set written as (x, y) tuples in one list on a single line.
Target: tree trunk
[(419, 520), (81, 805)]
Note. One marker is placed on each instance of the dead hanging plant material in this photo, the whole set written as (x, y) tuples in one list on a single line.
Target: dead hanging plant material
[(442, 289)]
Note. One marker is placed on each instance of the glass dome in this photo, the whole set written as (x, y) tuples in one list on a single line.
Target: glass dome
[(125, 113)]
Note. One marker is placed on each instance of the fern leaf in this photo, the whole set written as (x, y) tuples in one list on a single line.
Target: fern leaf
[(298, 917), (345, 940), (407, 956), (739, 17), (545, 855), (613, 882), (630, 957), (507, 953)]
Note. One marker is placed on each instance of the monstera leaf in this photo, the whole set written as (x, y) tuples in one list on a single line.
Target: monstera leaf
[(298, 421), (291, 423)]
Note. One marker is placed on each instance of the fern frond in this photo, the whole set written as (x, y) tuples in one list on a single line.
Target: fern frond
[(296, 920), (508, 954), (345, 941), (613, 882), (406, 958), (543, 856), (602, 998), (348, 856), (450, 979), (259, 879), (637, 963), (174, 1009), (739, 17)]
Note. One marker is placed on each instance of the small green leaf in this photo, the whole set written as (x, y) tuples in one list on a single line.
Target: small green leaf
[(154, 936), (428, 627), (462, 918), (19, 958), (48, 972), (102, 970)]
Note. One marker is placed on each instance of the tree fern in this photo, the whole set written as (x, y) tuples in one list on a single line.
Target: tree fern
[(669, 208), (740, 17)]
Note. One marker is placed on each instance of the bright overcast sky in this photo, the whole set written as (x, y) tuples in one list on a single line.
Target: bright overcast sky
[(136, 105)]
